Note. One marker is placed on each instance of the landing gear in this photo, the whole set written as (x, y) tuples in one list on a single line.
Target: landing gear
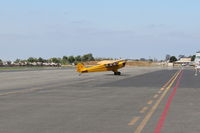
[(117, 73)]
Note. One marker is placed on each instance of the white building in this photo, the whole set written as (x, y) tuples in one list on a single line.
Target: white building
[(197, 58), (184, 61)]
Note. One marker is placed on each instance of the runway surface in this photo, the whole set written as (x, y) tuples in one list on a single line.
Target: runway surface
[(141, 100)]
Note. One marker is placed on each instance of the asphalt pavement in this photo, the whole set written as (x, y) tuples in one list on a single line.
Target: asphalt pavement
[(141, 100)]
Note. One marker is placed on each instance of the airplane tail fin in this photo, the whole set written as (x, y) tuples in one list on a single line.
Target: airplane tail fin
[(79, 67)]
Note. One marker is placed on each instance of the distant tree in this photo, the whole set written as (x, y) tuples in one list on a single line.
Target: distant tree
[(1, 62), (71, 59), (142, 59), (84, 58), (40, 59), (23, 61), (167, 57), (65, 60), (88, 57), (31, 59), (172, 59), (55, 60), (17, 61), (77, 58), (150, 60), (60, 60), (193, 57), (9, 63)]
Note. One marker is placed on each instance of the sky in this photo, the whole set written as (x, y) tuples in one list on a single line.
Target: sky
[(106, 28)]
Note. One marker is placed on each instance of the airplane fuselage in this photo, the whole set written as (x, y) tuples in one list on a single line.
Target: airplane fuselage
[(105, 67)]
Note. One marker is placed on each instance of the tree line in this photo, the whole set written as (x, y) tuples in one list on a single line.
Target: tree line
[(64, 60), (87, 57)]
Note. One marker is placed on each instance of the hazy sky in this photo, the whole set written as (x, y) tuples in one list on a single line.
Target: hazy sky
[(106, 28)]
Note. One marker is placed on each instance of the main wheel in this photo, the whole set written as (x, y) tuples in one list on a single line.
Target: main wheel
[(117, 73)]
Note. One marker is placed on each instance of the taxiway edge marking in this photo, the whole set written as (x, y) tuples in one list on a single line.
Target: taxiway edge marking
[(152, 110), (167, 106)]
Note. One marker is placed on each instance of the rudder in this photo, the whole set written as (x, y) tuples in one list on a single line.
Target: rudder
[(79, 67)]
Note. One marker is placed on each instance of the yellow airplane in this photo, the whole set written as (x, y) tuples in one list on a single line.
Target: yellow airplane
[(103, 66)]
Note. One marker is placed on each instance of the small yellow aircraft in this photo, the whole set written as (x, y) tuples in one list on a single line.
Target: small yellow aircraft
[(103, 66)]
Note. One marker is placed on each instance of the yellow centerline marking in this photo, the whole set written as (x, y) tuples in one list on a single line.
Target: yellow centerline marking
[(169, 81), (150, 113), (133, 121), (155, 96), (163, 88), (144, 109), (150, 102)]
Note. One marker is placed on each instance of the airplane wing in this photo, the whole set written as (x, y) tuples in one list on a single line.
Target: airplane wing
[(108, 62), (105, 62)]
